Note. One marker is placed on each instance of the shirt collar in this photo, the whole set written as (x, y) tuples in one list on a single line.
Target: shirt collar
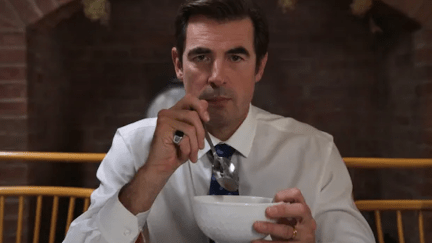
[(241, 140)]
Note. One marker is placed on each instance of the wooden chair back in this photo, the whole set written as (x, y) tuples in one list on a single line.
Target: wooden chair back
[(398, 206), (23, 192), (376, 206)]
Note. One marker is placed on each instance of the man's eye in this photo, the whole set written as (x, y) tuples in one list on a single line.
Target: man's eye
[(236, 58), (201, 58)]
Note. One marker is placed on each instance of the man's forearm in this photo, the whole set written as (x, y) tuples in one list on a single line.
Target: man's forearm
[(140, 193)]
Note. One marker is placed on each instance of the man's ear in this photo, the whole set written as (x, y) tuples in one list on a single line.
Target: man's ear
[(178, 66), (262, 66)]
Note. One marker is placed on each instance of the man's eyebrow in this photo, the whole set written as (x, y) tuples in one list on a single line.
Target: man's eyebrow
[(198, 51), (239, 50)]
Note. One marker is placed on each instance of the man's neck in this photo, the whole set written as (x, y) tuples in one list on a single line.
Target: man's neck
[(223, 131)]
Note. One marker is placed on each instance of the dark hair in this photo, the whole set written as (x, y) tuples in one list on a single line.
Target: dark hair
[(224, 10)]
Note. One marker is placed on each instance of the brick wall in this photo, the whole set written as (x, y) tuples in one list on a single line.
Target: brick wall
[(410, 68), (25, 122), (114, 71), (66, 84)]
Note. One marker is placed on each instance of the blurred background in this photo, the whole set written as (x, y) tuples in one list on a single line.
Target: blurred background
[(67, 83)]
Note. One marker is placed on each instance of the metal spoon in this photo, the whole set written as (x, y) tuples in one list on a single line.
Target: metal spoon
[(225, 171)]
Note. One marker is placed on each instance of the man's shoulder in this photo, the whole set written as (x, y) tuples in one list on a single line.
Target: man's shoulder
[(136, 127), (288, 125)]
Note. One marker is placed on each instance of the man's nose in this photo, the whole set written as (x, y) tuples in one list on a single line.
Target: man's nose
[(217, 75)]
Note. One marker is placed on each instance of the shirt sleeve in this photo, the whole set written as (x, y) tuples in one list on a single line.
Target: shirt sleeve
[(337, 217), (107, 220)]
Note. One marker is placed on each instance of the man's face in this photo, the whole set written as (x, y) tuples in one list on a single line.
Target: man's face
[(219, 65)]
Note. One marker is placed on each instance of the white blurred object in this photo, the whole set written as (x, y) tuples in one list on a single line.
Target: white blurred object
[(164, 100)]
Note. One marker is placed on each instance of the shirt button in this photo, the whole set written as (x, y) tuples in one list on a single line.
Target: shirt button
[(126, 233)]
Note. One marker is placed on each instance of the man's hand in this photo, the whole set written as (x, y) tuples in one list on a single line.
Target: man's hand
[(165, 156), (294, 215), (186, 116)]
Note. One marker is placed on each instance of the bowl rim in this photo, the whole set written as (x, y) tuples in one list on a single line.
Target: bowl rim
[(197, 200)]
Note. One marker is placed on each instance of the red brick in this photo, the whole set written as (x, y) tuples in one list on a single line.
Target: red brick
[(423, 73), (411, 7), (424, 56), (427, 137), (428, 24), (403, 120), (119, 121), (13, 108), (13, 90), (327, 105), (8, 56), (12, 73), (7, 13), (320, 92), (102, 135), (26, 11), (13, 173), (11, 206), (422, 14), (10, 225), (12, 39), (402, 90), (13, 126), (424, 90), (62, 2), (426, 119), (8, 25), (47, 6)]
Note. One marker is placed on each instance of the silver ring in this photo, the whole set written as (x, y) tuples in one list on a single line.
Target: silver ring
[(178, 136)]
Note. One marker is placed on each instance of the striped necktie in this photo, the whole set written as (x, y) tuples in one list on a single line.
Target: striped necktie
[(223, 150)]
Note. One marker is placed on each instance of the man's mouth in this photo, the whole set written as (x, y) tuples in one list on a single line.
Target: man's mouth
[(217, 100)]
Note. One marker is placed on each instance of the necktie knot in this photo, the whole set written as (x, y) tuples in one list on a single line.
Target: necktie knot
[(224, 150)]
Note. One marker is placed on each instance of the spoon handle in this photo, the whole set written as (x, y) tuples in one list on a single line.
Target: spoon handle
[(207, 136)]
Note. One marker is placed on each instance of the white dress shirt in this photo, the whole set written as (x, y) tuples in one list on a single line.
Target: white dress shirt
[(273, 153)]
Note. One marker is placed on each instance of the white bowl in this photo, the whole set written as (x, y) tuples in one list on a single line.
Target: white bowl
[(229, 219)]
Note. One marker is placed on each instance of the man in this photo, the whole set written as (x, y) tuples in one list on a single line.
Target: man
[(148, 179)]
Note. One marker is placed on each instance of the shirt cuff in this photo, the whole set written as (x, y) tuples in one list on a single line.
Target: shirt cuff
[(117, 223)]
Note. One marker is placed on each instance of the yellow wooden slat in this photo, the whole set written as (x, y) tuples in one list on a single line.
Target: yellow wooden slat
[(421, 227), (387, 163), (45, 191), (2, 206), (98, 157), (53, 219), (372, 205), (20, 219), (379, 226), (86, 204), (57, 192), (50, 156), (37, 220), (400, 227), (70, 212)]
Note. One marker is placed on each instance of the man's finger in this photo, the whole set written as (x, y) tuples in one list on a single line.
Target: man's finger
[(190, 102), (291, 195), (184, 150), (191, 142), (278, 231), (192, 118), (297, 211)]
